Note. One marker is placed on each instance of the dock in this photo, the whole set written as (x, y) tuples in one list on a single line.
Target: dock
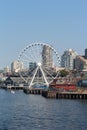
[(12, 87), (33, 91), (64, 95), (54, 94)]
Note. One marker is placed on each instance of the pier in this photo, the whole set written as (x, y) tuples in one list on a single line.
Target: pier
[(33, 91), (54, 94), (12, 87), (64, 95)]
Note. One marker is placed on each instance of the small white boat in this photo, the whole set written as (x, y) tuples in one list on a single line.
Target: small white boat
[(12, 91)]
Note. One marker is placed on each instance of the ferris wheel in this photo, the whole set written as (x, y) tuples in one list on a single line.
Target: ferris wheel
[(38, 64)]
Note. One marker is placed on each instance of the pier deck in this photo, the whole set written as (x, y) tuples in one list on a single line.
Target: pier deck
[(32, 91), (64, 95)]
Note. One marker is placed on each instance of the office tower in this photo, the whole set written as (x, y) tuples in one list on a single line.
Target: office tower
[(67, 59), (16, 66), (86, 53), (80, 63), (47, 60)]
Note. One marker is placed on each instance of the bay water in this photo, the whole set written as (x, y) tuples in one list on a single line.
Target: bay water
[(20, 111)]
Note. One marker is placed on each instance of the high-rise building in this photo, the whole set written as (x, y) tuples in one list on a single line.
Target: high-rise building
[(86, 53), (16, 66), (47, 60), (80, 63), (67, 59)]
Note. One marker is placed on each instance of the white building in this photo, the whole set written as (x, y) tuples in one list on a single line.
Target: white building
[(67, 59), (16, 66), (6, 69)]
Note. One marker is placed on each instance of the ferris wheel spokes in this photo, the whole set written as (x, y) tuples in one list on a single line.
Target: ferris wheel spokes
[(48, 73)]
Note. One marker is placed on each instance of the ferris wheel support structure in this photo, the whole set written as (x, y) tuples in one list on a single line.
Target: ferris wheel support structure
[(43, 74)]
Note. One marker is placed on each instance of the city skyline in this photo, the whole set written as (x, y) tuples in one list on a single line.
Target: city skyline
[(67, 60), (17, 60), (61, 24)]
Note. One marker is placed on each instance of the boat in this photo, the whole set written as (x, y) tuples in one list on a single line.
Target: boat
[(13, 92)]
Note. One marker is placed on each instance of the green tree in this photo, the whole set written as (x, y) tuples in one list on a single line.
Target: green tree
[(64, 73)]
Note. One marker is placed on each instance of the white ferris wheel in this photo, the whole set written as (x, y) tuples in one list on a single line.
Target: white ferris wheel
[(38, 64)]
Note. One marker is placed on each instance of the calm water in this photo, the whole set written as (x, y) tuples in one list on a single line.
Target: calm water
[(33, 112)]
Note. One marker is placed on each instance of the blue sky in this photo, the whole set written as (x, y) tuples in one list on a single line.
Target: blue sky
[(61, 23)]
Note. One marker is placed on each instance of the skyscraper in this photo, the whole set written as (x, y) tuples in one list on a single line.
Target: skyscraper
[(80, 63), (16, 66), (47, 60), (86, 53), (67, 59)]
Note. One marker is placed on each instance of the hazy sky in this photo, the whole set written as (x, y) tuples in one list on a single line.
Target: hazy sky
[(61, 23)]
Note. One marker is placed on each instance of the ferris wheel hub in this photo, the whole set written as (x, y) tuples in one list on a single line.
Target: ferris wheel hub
[(39, 64)]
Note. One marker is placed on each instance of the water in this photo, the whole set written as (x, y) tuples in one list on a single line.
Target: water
[(19, 111)]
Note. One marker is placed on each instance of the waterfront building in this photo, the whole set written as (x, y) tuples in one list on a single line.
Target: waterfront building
[(47, 60), (80, 63), (67, 59), (8, 81), (16, 66)]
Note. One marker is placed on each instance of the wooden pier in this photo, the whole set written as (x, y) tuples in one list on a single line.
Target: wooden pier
[(12, 87), (32, 91), (64, 95), (56, 94)]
